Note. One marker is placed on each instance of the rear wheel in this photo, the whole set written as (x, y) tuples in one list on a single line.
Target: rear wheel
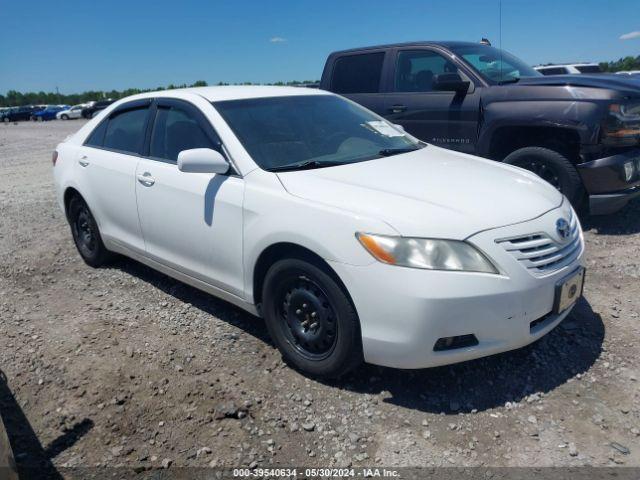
[(86, 234), (553, 167), (311, 319)]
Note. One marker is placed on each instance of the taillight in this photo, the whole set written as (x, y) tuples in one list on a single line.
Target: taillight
[(54, 157)]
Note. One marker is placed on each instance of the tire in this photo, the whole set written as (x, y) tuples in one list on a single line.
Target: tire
[(307, 294), (86, 234), (64, 117), (6, 120), (553, 167)]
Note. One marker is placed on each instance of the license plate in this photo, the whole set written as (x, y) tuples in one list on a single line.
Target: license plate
[(568, 291)]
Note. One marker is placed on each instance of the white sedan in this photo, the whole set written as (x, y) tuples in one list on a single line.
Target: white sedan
[(352, 239), (70, 113)]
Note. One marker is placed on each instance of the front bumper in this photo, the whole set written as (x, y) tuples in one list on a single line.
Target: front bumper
[(403, 311), (605, 184)]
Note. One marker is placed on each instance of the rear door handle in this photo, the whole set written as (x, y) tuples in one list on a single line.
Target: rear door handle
[(397, 108), (83, 161), (146, 179)]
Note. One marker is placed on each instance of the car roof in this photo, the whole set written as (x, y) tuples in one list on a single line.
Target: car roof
[(445, 44), (236, 92)]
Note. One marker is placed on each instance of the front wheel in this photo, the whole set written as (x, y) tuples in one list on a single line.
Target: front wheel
[(552, 167), (64, 117), (310, 318), (86, 235)]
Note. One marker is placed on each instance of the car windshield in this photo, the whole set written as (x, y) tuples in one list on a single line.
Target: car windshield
[(495, 65), (311, 131)]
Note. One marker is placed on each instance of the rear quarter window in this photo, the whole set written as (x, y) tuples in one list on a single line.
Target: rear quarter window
[(357, 73), (96, 137)]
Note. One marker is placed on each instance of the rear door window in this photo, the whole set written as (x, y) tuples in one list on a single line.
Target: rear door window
[(125, 130), (357, 73)]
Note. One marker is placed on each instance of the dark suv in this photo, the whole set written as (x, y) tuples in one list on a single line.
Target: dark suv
[(581, 133), (16, 114), (93, 108)]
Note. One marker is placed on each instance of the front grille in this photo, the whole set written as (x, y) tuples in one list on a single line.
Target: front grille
[(540, 253)]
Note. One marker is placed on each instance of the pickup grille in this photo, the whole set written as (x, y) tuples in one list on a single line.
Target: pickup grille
[(541, 254)]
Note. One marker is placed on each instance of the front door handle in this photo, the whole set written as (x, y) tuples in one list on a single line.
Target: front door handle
[(83, 161), (146, 179), (398, 108)]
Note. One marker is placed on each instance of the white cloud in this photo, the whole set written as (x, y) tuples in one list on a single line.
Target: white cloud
[(277, 40), (630, 35)]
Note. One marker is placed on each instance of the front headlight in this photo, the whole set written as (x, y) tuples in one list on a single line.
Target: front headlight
[(622, 127), (427, 253)]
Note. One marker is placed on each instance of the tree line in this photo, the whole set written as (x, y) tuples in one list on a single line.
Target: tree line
[(621, 65), (15, 98)]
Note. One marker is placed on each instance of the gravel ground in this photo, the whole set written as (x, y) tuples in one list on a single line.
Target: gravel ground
[(124, 366)]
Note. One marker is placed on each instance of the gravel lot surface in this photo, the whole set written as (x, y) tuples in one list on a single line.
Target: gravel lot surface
[(123, 366)]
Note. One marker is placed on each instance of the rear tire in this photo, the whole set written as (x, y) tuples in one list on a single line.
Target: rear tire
[(311, 319), (86, 234), (552, 167)]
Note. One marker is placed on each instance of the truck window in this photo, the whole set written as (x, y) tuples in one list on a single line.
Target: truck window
[(588, 68), (553, 71), (415, 70), (357, 73)]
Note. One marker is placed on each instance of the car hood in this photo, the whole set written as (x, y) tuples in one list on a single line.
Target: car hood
[(431, 192), (602, 80)]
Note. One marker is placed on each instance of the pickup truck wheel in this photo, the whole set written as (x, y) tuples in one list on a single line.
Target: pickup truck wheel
[(86, 235), (310, 319), (552, 167)]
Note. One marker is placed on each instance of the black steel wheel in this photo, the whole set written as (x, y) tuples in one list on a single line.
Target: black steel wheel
[(86, 234), (311, 318), (311, 324)]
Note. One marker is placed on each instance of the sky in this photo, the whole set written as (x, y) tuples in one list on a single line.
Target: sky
[(78, 45)]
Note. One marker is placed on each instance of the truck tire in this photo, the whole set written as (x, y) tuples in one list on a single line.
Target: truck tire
[(552, 167)]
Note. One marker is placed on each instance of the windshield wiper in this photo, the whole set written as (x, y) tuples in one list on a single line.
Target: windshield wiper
[(387, 152), (306, 165)]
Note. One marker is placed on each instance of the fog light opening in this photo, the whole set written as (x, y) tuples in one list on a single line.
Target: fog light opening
[(451, 343)]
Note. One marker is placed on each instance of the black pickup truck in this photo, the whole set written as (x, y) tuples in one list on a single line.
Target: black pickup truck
[(581, 133)]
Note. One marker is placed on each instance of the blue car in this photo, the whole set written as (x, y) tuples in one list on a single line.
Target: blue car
[(48, 113)]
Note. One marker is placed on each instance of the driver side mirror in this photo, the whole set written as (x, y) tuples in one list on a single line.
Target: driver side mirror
[(450, 82), (202, 160)]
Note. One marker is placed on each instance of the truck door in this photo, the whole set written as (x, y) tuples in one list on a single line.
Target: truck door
[(445, 119)]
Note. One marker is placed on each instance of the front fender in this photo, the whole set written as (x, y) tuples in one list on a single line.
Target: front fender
[(272, 216), (579, 116)]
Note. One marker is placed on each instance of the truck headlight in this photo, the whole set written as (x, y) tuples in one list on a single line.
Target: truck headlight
[(622, 126), (629, 170), (426, 253)]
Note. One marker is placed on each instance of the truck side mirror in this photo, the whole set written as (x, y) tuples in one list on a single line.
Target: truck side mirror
[(450, 82)]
